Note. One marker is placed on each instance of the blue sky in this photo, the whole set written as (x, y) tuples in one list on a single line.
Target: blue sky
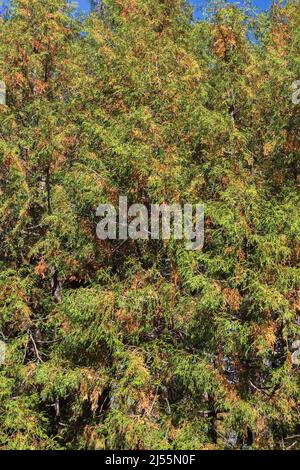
[(84, 4), (263, 4)]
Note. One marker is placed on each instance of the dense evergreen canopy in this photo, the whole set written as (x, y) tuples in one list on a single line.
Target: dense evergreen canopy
[(144, 345)]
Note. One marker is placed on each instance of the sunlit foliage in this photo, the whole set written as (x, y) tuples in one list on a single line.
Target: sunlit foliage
[(144, 345)]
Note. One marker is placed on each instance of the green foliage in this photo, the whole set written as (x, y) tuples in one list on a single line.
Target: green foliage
[(144, 345)]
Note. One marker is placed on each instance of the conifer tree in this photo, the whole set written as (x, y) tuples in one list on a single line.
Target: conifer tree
[(143, 344)]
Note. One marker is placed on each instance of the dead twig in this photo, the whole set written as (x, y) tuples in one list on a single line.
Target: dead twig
[(36, 349)]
